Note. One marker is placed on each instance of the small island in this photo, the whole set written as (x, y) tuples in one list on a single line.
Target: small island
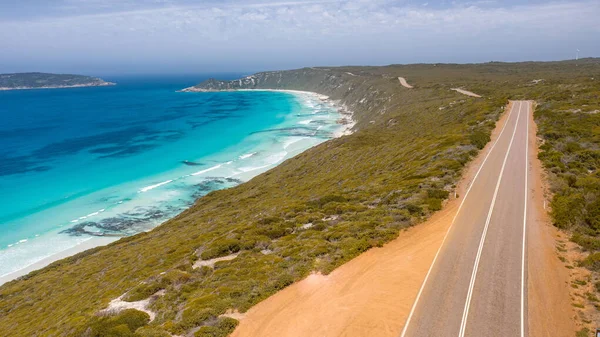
[(21, 81)]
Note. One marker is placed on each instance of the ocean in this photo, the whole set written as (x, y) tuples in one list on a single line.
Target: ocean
[(81, 164)]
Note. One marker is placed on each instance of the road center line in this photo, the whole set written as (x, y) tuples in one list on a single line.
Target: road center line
[(412, 310), (465, 316), (524, 226)]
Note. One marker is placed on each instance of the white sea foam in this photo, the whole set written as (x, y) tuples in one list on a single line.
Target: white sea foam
[(207, 170), (276, 157), (151, 187), (247, 155), (292, 140), (23, 241), (306, 122), (269, 161), (251, 168)]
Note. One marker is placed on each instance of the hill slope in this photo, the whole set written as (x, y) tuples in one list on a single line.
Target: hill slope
[(311, 213)]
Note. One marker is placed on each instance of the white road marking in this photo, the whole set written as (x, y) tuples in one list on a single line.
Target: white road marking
[(524, 227), (465, 316), (412, 310)]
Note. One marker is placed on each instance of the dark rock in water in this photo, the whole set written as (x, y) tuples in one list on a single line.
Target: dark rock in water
[(143, 218), (126, 224), (234, 181), (81, 229), (213, 184), (191, 163)]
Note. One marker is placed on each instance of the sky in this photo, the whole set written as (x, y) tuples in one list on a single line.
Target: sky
[(185, 36)]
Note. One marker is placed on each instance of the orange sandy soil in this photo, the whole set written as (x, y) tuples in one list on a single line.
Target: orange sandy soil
[(373, 294), (549, 306)]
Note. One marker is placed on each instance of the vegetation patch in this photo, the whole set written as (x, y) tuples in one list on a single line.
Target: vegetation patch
[(124, 324)]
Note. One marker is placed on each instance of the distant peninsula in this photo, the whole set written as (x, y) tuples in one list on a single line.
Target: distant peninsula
[(20, 81)]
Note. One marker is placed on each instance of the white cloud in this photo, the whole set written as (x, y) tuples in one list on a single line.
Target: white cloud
[(359, 31)]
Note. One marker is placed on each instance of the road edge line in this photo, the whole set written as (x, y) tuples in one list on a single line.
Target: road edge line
[(524, 228)]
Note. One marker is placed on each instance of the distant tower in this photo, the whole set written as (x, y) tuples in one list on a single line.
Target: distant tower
[(577, 55)]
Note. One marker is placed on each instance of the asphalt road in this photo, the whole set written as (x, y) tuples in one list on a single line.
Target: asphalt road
[(476, 285)]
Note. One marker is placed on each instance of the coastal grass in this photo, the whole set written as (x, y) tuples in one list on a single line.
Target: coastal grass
[(323, 207)]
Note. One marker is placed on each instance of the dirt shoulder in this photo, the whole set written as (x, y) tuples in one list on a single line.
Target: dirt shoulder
[(549, 307), (369, 296)]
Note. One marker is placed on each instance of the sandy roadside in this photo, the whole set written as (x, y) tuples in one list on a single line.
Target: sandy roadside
[(369, 296), (549, 306)]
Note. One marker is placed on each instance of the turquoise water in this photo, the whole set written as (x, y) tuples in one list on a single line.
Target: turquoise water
[(77, 164)]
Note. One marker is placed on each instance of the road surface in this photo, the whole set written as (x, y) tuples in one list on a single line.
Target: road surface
[(477, 283)]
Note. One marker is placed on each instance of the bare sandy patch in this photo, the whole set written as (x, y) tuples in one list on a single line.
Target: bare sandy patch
[(211, 263), (465, 92), (404, 83), (369, 296), (117, 305), (550, 311)]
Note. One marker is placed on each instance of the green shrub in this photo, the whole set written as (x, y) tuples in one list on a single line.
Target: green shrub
[(414, 209), (151, 331), (123, 324), (437, 193), (434, 204), (587, 242), (327, 199), (566, 210), (592, 262), (479, 139), (143, 291), (220, 248), (585, 332), (223, 328)]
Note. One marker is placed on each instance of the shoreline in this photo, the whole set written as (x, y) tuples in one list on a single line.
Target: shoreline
[(347, 115), (345, 121), (93, 242)]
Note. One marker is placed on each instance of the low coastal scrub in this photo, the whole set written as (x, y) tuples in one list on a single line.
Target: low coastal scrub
[(568, 119), (310, 214), (123, 324)]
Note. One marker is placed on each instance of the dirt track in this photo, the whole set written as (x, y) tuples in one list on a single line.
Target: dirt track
[(465, 92), (404, 83)]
